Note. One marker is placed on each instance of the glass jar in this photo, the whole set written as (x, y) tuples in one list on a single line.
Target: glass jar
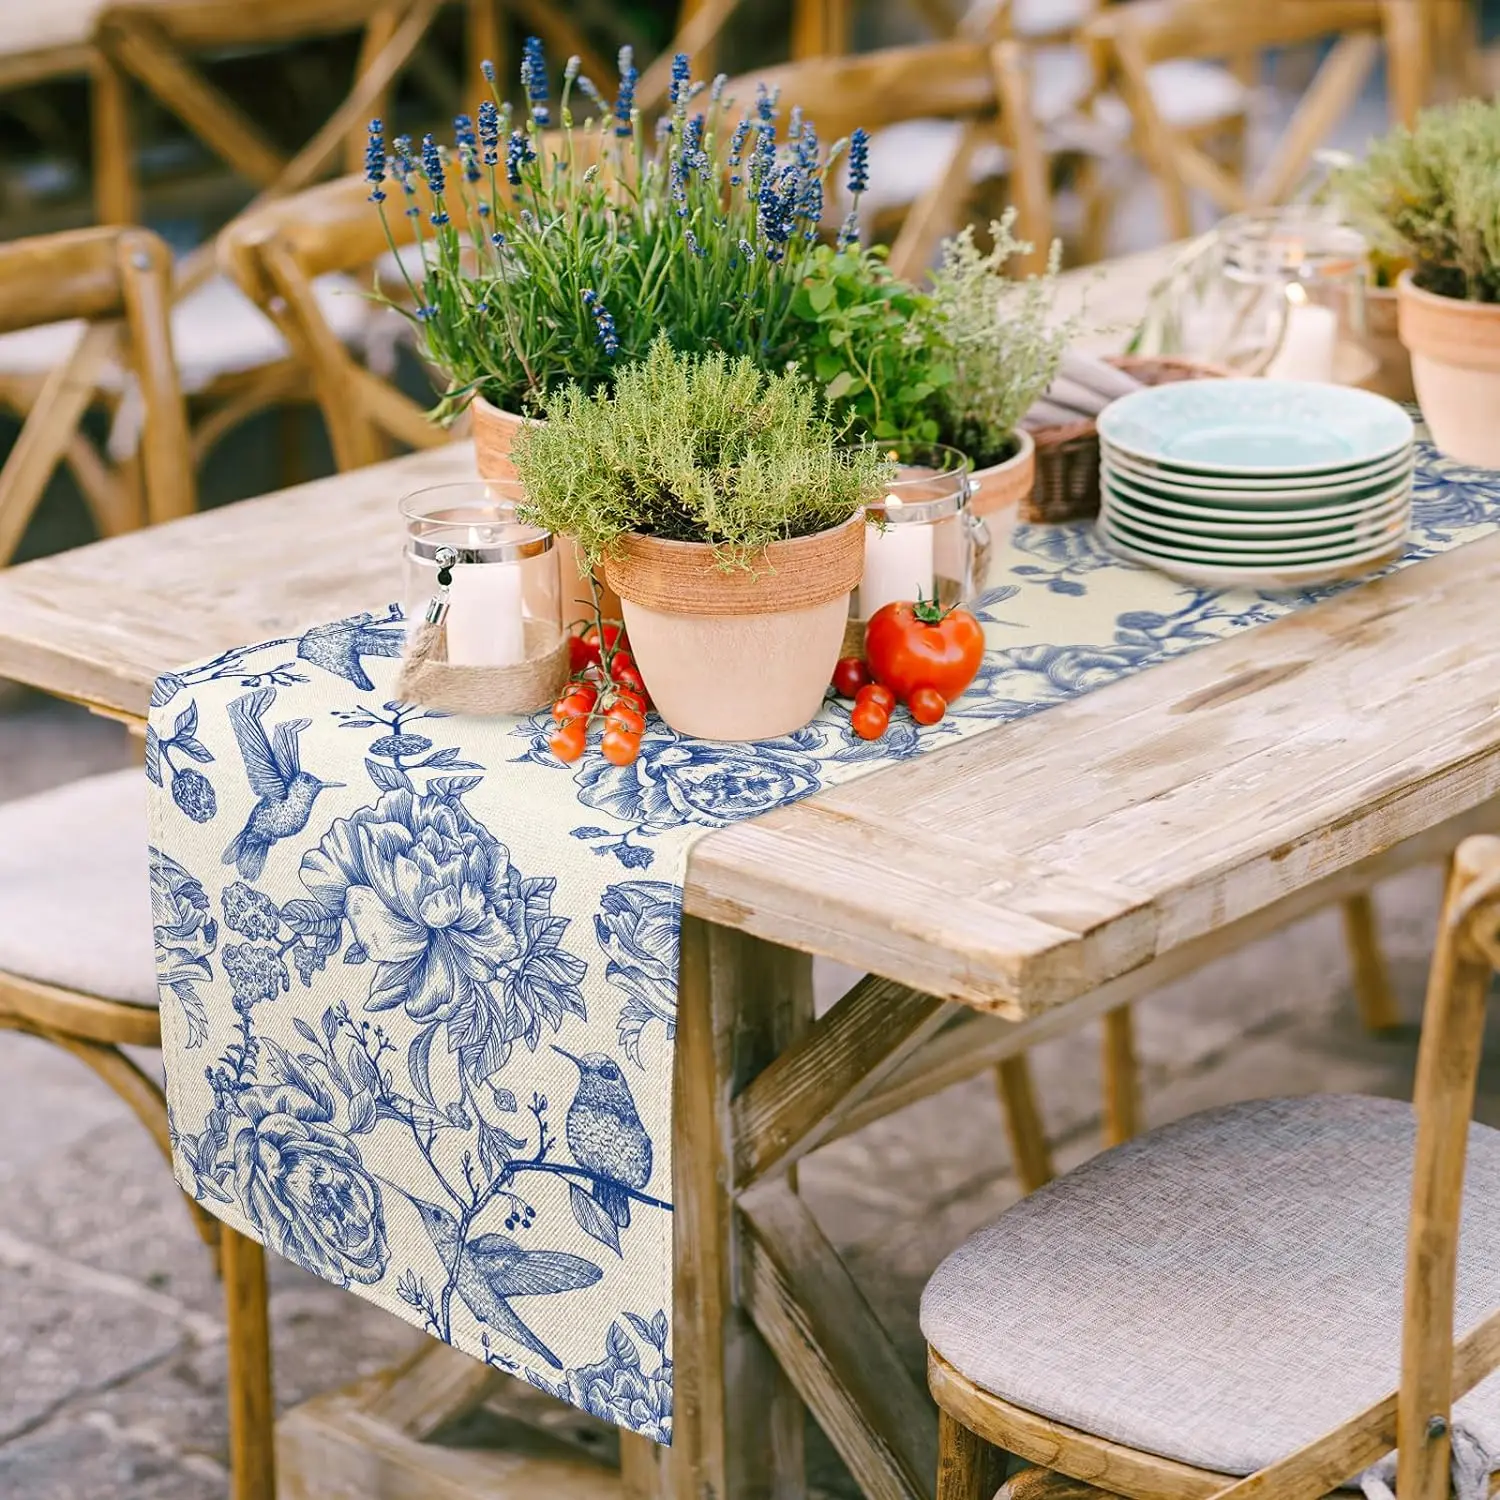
[(504, 598), (1293, 281), (931, 543)]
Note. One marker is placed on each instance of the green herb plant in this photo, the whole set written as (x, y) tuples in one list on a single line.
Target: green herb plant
[(692, 448), (1431, 194)]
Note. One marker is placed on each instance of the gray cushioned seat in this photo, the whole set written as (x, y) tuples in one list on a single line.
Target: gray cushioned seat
[(1221, 1291), (75, 896)]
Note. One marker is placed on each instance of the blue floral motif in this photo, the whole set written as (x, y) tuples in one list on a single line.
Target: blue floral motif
[(619, 1388), (1065, 556), (455, 934), (186, 936), (638, 927)]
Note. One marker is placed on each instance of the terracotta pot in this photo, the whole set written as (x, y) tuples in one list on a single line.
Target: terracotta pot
[(1392, 375), (741, 655), (494, 433), (1455, 367), (1000, 489)]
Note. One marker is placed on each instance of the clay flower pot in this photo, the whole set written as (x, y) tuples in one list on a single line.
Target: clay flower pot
[(1455, 366), (1003, 486), (494, 433), (744, 654), (1392, 375)]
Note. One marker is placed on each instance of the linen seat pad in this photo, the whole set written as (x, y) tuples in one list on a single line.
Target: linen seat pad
[(75, 900), (1221, 1291)]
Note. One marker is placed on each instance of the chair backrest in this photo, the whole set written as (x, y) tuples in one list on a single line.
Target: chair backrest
[(983, 84), (118, 281)]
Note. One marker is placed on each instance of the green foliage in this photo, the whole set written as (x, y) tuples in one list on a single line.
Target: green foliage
[(552, 255), (692, 449), (1432, 194), (858, 330), (998, 338)]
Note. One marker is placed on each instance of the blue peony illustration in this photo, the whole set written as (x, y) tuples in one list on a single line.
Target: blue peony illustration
[(638, 927), (620, 1388), (186, 936), (455, 934)]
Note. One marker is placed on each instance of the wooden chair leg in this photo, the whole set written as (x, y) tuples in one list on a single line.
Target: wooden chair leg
[(1023, 1123), (1372, 981), (252, 1451), (968, 1467), (1122, 1093)]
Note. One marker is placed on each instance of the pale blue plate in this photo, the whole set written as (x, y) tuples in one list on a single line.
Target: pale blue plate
[(1255, 427)]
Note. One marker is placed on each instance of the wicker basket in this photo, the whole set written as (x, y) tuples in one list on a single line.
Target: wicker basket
[(1067, 458)]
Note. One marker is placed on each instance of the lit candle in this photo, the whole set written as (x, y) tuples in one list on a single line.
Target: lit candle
[(485, 623), (1309, 340), (898, 562)]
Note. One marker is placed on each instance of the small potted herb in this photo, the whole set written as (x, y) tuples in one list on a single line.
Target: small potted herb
[(1432, 193), (728, 518)]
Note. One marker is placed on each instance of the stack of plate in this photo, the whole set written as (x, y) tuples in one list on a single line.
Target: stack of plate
[(1257, 483)]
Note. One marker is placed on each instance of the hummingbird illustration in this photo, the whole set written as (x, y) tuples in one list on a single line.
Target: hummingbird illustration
[(492, 1269), (605, 1133), (337, 647), (274, 767)]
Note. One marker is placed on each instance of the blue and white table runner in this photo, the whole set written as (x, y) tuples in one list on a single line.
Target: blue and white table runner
[(418, 978)]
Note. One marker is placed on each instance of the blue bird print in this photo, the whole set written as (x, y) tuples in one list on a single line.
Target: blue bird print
[(337, 647), (491, 1269), (605, 1134), (274, 766)]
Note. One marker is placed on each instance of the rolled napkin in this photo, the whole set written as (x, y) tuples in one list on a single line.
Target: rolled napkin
[(1082, 388), (1044, 414), (1097, 374)]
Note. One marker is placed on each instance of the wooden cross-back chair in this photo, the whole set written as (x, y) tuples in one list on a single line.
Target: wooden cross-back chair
[(980, 84), (117, 283), (1129, 39), (1206, 1299)]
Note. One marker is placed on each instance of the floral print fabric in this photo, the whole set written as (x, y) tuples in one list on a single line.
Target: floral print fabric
[(418, 979)]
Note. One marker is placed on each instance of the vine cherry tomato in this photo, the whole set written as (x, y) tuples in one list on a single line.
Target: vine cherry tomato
[(582, 654), (870, 720), (566, 742), (629, 698), (877, 693), (620, 747), (911, 646), (577, 701), (625, 716), (926, 705), (629, 676), (850, 676)]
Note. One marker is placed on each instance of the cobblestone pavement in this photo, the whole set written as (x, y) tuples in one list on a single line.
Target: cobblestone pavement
[(111, 1334)]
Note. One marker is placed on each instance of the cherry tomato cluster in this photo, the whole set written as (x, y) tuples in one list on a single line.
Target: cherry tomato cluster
[(917, 654), (606, 684)]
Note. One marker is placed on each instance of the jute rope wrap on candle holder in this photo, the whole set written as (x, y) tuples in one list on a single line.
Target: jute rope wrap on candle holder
[(429, 678), (682, 578)]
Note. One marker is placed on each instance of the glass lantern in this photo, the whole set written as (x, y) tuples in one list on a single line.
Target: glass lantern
[(504, 598), (931, 543), (1293, 281)]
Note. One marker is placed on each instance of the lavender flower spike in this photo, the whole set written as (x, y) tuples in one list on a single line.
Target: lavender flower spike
[(534, 79), (375, 161)]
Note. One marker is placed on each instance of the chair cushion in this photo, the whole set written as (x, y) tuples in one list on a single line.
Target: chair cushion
[(1221, 1291), (75, 897)]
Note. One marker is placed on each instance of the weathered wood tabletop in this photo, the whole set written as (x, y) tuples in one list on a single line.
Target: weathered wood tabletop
[(996, 891)]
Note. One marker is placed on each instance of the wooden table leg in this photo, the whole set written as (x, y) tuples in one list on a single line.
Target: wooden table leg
[(737, 1421), (1378, 1007), (1122, 1090), (252, 1453)]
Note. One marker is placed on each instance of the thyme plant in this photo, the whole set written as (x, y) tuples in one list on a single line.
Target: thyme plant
[(692, 448)]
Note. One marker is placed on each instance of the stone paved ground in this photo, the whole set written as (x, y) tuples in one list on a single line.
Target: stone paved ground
[(111, 1338)]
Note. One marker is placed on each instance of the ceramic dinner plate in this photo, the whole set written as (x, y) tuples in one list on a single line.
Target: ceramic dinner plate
[(1242, 491), (1254, 428), (1188, 546), (1272, 530), (1261, 517)]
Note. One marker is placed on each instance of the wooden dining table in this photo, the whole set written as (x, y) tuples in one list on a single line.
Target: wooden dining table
[(995, 893)]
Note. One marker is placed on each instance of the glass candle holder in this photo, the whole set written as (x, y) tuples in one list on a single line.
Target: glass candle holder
[(504, 600), (1294, 283), (930, 542)]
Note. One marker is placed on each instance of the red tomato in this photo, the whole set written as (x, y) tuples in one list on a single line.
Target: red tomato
[(577, 702), (869, 720), (620, 747), (566, 742), (850, 676), (629, 698), (613, 632), (582, 654), (629, 676), (874, 692), (910, 646), (926, 705), (624, 716)]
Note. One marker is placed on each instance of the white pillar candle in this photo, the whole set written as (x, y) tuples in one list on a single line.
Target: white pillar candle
[(898, 563), (1309, 343), (485, 624)]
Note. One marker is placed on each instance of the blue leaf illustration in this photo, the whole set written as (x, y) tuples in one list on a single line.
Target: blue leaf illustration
[(388, 778), (354, 954), (165, 689), (621, 1349), (590, 833), (153, 757), (193, 747), (453, 786), (593, 1221), (186, 722)]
